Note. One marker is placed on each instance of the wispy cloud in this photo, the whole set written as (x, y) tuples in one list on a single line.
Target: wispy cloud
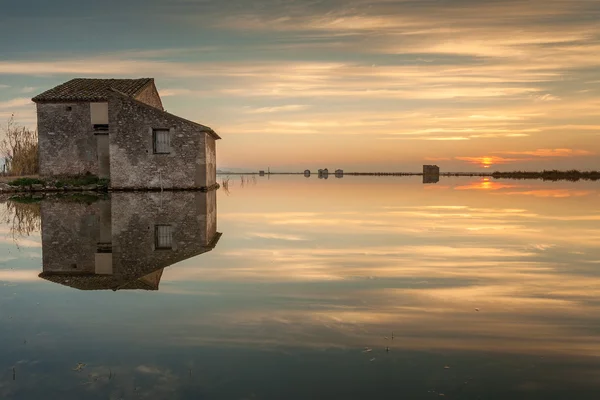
[(551, 153), (555, 193), (278, 236), (468, 78), (28, 89), (174, 92), (437, 158), (275, 109), (15, 103)]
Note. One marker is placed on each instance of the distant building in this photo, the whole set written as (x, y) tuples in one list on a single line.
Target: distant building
[(431, 170), (339, 173), (261, 173), (307, 173), (431, 178)]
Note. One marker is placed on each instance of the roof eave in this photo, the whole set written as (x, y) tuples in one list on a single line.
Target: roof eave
[(213, 134), (73, 100)]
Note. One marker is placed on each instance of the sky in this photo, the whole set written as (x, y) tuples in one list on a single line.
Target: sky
[(470, 85)]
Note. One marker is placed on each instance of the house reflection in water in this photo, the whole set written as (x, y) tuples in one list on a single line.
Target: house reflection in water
[(125, 242), (431, 179)]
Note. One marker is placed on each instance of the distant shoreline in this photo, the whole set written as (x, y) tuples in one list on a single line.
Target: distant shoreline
[(546, 175)]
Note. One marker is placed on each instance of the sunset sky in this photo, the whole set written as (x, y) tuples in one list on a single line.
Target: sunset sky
[(361, 85)]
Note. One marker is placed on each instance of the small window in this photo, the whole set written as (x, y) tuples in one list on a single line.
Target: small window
[(163, 237), (162, 141)]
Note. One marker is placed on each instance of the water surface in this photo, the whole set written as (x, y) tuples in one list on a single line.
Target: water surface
[(288, 287)]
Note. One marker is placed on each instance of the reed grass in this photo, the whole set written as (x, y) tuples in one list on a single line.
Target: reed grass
[(19, 147)]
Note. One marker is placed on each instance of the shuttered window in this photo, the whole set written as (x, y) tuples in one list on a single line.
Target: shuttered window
[(162, 141), (163, 237)]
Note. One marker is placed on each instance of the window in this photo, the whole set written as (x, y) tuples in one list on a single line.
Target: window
[(163, 237), (99, 116), (100, 127), (162, 141)]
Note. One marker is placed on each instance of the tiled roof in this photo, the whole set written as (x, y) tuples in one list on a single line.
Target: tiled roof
[(85, 89)]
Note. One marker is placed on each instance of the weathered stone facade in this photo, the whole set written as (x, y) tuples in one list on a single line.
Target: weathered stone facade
[(70, 235), (122, 147), (135, 216), (211, 160), (134, 165), (111, 244), (67, 144), (149, 95)]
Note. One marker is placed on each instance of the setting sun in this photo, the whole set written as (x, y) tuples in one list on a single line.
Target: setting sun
[(486, 162)]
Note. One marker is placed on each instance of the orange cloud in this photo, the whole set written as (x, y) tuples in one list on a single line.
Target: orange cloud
[(555, 193), (550, 153), (437, 159)]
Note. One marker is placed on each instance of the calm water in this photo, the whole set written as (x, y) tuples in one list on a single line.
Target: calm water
[(477, 289)]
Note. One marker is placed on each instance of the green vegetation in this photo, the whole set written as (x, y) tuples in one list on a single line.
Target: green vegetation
[(26, 182), (81, 180), (26, 199), (61, 182), (73, 197)]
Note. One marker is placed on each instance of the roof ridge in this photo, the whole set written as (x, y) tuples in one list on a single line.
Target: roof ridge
[(92, 89)]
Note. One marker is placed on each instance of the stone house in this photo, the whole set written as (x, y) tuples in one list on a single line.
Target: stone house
[(118, 129), (126, 241), (431, 170)]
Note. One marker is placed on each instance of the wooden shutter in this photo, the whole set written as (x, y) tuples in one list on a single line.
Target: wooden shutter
[(162, 141), (163, 236)]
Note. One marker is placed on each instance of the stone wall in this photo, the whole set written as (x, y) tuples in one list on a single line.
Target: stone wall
[(135, 216), (150, 96), (67, 145), (110, 244), (211, 214), (133, 162), (70, 236), (211, 160)]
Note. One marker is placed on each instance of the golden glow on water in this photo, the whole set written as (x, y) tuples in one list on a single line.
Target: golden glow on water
[(469, 264), (394, 255)]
